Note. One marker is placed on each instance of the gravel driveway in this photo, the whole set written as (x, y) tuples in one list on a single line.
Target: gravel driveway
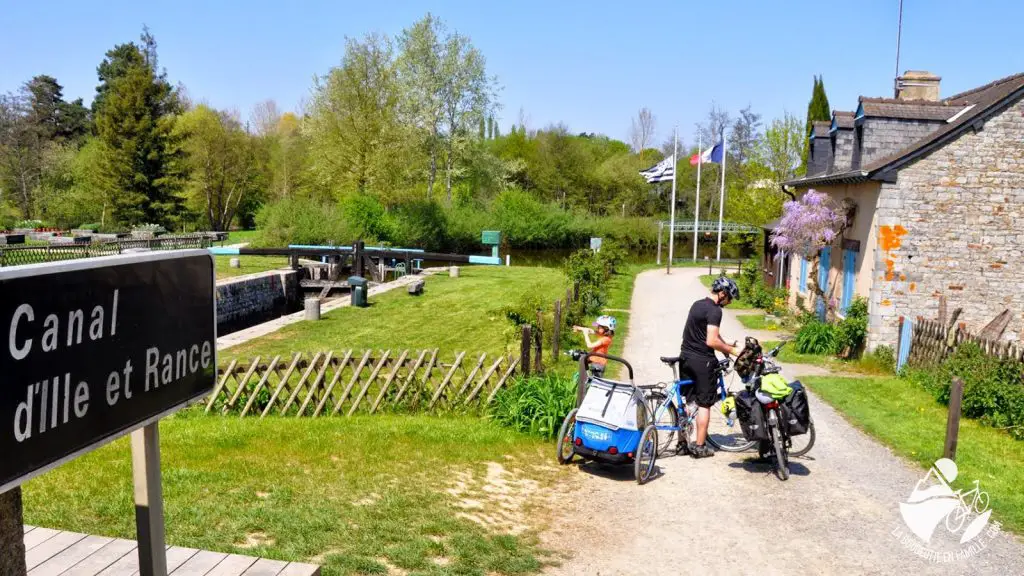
[(729, 514)]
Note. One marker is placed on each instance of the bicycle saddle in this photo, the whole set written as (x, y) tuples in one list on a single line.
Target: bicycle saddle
[(670, 360)]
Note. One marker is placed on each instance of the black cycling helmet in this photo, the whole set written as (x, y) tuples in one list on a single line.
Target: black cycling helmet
[(725, 284)]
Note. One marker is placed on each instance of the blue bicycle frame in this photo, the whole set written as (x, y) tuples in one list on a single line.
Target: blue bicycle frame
[(675, 397)]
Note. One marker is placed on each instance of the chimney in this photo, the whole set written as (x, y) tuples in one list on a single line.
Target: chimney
[(918, 85)]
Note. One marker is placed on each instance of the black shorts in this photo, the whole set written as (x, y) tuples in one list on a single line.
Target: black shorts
[(701, 369)]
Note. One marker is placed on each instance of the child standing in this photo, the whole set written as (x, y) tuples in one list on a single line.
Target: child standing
[(605, 326)]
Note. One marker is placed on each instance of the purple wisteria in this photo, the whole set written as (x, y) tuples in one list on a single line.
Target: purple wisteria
[(808, 224)]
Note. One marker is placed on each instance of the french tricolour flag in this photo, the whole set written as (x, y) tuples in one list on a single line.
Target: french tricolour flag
[(713, 154)]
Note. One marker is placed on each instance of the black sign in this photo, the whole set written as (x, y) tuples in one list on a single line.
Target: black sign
[(93, 349)]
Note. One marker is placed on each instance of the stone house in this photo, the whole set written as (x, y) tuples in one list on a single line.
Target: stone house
[(938, 186)]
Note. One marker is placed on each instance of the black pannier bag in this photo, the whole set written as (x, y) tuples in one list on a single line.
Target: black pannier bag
[(796, 413), (751, 416)]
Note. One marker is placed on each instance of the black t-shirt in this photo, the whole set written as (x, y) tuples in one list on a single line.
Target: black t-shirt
[(703, 313)]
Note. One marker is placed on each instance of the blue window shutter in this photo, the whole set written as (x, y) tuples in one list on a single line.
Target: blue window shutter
[(849, 262), (803, 274), (824, 263)]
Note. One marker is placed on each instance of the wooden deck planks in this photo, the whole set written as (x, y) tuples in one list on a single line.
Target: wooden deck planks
[(70, 556), (58, 553)]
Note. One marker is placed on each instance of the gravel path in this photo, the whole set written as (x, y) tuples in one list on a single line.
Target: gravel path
[(729, 514)]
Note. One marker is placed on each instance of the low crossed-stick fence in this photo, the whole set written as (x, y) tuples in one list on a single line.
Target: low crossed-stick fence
[(359, 382)]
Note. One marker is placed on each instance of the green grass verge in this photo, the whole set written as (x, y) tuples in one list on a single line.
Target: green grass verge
[(865, 366), (239, 236), (453, 314), (907, 418), (249, 265), (756, 322), (348, 494)]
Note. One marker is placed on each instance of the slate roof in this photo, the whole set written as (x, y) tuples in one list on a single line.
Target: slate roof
[(974, 106), (909, 109), (843, 119), (819, 128)]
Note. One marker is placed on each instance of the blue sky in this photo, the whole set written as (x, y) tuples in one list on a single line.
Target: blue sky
[(590, 65)]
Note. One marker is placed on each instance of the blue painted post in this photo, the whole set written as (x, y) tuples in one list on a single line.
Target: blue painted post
[(904, 342)]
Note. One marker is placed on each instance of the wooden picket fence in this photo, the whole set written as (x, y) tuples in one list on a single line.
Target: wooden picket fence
[(932, 341), (359, 382)]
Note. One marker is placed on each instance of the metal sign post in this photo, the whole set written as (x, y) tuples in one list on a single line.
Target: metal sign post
[(97, 349)]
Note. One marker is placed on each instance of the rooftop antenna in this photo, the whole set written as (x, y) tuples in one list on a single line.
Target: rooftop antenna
[(899, 34)]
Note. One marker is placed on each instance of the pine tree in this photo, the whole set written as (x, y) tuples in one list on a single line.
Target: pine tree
[(490, 127), (817, 109)]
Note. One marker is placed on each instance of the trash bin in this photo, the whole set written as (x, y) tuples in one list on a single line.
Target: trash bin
[(358, 286)]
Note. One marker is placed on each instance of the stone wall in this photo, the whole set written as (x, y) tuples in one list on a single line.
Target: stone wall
[(842, 152), (249, 300), (953, 225), (885, 136)]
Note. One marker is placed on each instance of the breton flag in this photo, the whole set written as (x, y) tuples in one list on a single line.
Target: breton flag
[(662, 171), (713, 154)]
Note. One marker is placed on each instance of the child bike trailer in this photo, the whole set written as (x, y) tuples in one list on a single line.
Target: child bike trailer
[(610, 426)]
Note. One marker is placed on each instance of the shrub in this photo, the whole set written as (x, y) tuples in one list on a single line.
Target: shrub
[(31, 224), (816, 338), (754, 292), (589, 272), (535, 405), (95, 227), (366, 216), (154, 229), (303, 221), (993, 390), (883, 358), (852, 330), (420, 224)]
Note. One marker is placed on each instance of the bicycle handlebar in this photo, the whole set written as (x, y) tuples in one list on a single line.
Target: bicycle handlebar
[(576, 354)]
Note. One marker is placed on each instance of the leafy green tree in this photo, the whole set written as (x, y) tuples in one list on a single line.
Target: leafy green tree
[(134, 116), (21, 149), (355, 140), (780, 150), (224, 164), (420, 71)]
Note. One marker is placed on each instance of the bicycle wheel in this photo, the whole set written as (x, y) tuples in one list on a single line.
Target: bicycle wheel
[(566, 436), (646, 454), (667, 421), (958, 516), (802, 444), (724, 433), (778, 443)]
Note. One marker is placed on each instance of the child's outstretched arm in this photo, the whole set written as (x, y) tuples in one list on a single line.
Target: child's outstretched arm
[(591, 344)]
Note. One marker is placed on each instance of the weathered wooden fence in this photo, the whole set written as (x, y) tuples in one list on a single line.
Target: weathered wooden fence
[(359, 382), (932, 341)]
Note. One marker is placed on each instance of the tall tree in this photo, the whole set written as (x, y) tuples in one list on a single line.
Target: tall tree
[(781, 148), (423, 87), (745, 137), (467, 96), (54, 118), (21, 149), (356, 143), (223, 162), (134, 115), (289, 157), (817, 109), (265, 117), (641, 131)]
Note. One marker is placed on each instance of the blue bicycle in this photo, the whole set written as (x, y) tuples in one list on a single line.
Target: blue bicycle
[(675, 412)]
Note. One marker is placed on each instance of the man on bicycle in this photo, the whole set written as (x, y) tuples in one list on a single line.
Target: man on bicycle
[(701, 338)]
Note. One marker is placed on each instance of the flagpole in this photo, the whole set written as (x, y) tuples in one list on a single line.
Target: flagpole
[(721, 198), (672, 211), (696, 205)]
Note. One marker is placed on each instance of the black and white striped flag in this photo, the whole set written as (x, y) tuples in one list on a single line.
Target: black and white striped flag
[(663, 171)]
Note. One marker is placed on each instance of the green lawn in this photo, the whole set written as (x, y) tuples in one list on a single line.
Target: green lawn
[(453, 314), (756, 322), (354, 495), (239, 236), (911, 422), (249, 265), (864, 366)]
